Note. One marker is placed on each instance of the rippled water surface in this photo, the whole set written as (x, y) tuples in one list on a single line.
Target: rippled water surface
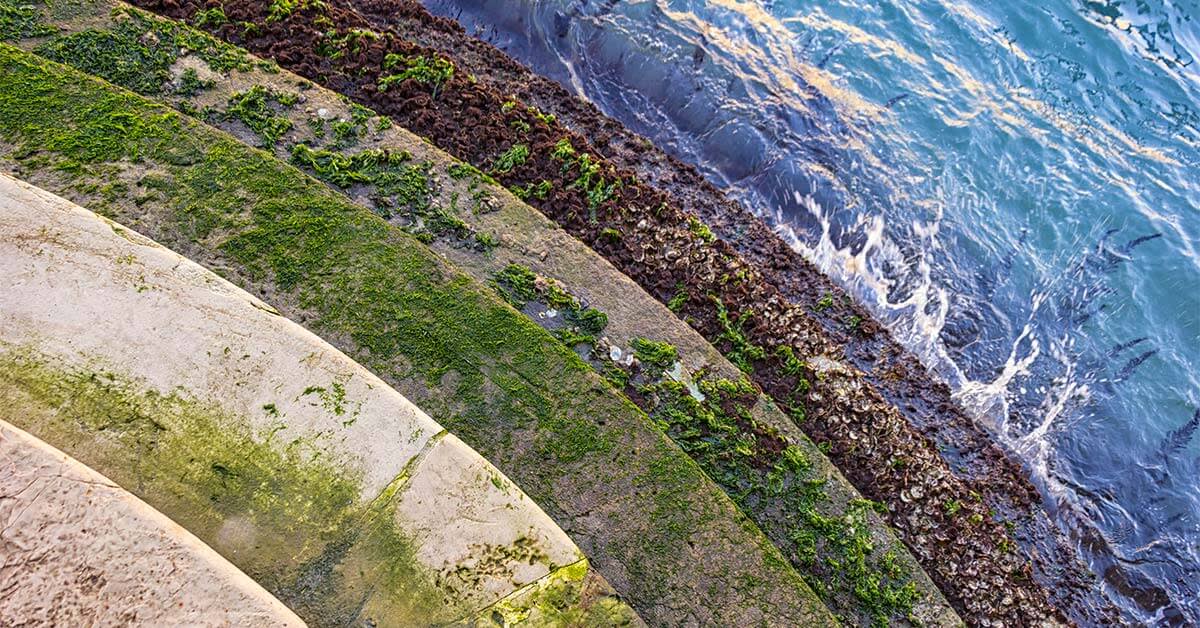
[(1013, 186)]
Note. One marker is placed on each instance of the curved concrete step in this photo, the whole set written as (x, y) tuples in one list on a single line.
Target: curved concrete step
[(525, 237), (293, 461), (76, 549), (670, 541)]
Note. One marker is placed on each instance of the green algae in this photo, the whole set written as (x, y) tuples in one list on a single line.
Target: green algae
[(679, 299), (336, 44), (118, 55), (348, 132), (794, 402), (431, 71), (400, 189), (581, 325), (539, 190), (517, 284), (404, 185), (289, 514), (773, 481), (737, 347), (514, 157), (765, 474), (560, 599), (210, 18), (20, 20), (656, 354), (256, 108), (500, 382), (701, 230), (190, 83), (138, 51), (281, 9), (597, 185)]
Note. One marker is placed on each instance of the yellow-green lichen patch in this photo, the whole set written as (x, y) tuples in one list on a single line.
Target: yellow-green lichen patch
[(566, 597), (289, 514)]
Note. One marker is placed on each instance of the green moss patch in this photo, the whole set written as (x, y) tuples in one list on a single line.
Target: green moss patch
[(136, 53), (432, 71), (118, 56), (655, 355), (580, 325), (566, 597), (596, 181), (511, 158), (773, 481)]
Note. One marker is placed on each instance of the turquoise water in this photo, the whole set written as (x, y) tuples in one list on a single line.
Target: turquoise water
[(1013, 186)]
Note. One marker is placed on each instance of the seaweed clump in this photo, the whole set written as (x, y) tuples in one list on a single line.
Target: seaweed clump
[(256, 109), (581, 325)]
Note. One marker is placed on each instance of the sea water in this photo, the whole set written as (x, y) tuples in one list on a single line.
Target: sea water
[(1013, 187)]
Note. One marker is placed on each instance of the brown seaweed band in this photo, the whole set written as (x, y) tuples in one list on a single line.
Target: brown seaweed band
[(671, 542), (675, 258)]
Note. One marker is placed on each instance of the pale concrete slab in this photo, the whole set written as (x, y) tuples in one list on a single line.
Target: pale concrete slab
[(78, 550)]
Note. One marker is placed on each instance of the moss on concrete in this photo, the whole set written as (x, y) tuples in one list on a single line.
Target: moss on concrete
[(765, 474), (257, 109), (398, 185), (19, 20), (560, 599), (576, 324), (832, 537)]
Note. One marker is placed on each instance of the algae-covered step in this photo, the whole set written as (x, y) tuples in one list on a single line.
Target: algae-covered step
[(670, 542), (298, 465), (783, 482), (80, 549)]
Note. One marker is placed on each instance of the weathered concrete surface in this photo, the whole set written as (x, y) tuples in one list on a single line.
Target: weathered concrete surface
[(84, 295), (76, 549)]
